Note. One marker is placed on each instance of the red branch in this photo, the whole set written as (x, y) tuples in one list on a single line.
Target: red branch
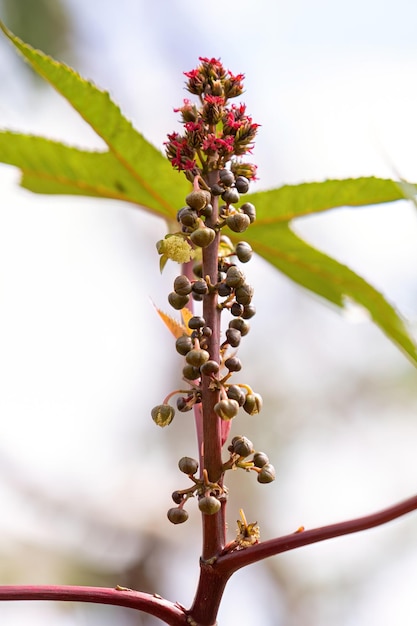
[(231, 562), (169, 612)]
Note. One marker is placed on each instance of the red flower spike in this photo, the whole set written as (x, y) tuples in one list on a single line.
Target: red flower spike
[(214, 131)]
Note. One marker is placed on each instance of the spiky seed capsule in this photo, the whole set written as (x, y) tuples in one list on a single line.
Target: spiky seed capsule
[(217, 190), (188, 465), (196, 358), (177, 497), (243, 446), (183, 405), (233, 337), (176, 301), (233, 364), (243, 252), (202, 237), (260, 459), (182, 285), (234, 277), (244, 294), (238, 222), (190, 372), (236, 309), (267, 474), (177, 516), (236, 393), (231, 196), (242, 184), (207, 211), (248, 311), (240, 325), (196, 322), (209, 367), (249, 209), (187, 217), (253, 403), (209, 505), (224, 290), (226, 177), (199, 287), (226, 409), (163, 414), (197, 200), (183, 345), (198, 270)]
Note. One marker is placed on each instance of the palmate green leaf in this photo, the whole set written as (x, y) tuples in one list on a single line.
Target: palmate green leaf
[(272, 237), (163, 190), (49, 167), (134, 171), (329, 279), (293, 201)]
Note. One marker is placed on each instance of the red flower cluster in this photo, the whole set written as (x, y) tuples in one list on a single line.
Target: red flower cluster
[(214, 132)]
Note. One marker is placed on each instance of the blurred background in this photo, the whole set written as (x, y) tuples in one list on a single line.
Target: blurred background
[(85, 475)]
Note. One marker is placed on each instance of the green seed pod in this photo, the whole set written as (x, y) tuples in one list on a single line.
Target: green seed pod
[(233, 364), (196, 322), (182, 285), (200, 287), (230, 196), (188, 465), (226, 409), (209, 505), (177, 516), (224, 290), (209, 367), (242, 184), (236, 309), (188, 217), (227, 177), (177, 497), (183, 344), (267, 474), (183, 405), (233, 337), (234, 392), (243, 252), (198, 270), (238, 222), (207, 211), (244, 294), (249, 209), (260, 459), (234, 277), (196, 358), (202, 237), (243, 446), (217, 190), (240, 324), (163, 414), (248, 311), (197, 200), (253, 403), (176, 301), (190, 372)]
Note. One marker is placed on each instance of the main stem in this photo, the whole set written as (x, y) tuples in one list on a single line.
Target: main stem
[(213, 525)]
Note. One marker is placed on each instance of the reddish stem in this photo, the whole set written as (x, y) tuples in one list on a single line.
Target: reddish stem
[(214, 526), (230, 563), (169, 612)]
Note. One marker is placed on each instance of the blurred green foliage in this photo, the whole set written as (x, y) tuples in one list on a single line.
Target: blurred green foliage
[(46, 24)]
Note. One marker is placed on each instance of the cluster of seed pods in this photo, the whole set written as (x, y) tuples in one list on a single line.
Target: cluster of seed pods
[(234, 294)]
